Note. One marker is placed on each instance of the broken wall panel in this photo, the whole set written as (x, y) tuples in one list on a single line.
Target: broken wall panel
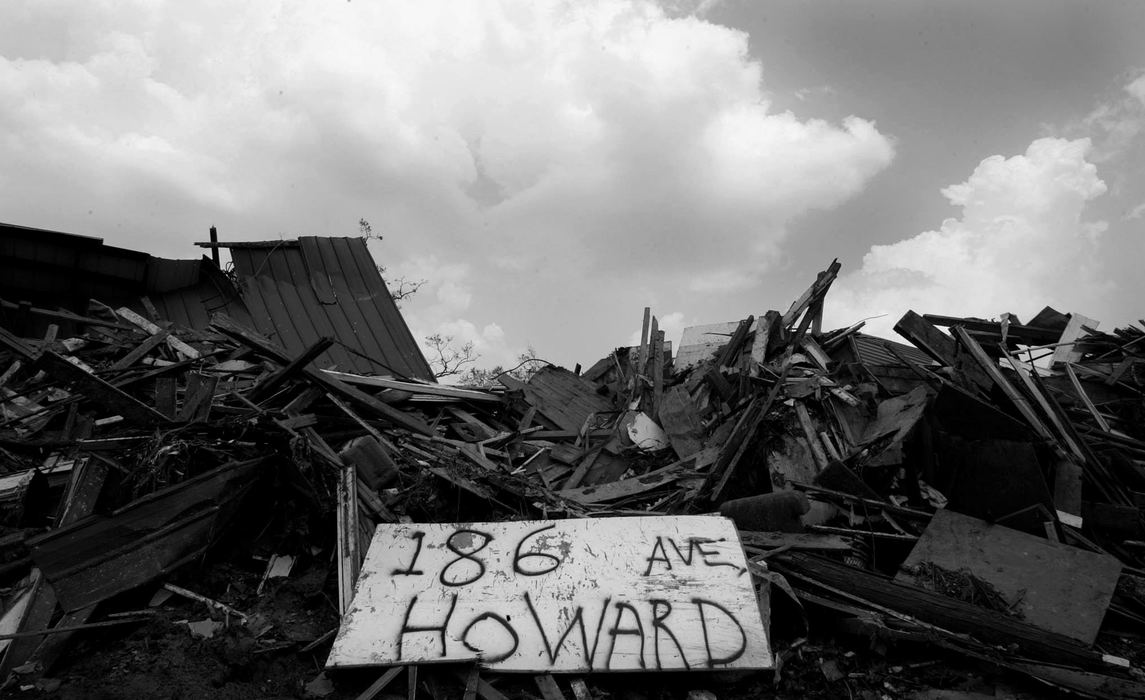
[(1053, 586)]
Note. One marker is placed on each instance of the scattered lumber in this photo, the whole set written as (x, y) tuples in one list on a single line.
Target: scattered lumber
[(978, 490)]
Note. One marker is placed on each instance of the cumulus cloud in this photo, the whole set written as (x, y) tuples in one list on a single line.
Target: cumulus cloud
[(1022, 241), (548, 140)]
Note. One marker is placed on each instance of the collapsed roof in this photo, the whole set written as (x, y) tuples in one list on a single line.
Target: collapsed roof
[(296, 292)]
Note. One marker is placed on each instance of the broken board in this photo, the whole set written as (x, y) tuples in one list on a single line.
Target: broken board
[(1054, 586), (608, 594)]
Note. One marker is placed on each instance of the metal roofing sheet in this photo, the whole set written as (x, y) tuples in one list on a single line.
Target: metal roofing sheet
[(300, 291), (872, 350)]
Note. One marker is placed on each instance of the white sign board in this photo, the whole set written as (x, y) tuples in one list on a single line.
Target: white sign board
[(605, 594)]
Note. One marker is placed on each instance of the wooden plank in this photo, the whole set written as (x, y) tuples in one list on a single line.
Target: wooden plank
[(35, 617), (811, 435), (475, 425), (415, 387), (381, 684), (926, 337), (657, 372), (481, 687), (636, 485), (563, 398), (766, 328), (700, 344), (681, 421), (813, 351), (1066, 351), (140, 351), (64, 315), (174, 343), (11, 371), (149, 307), (995, 373), (97, 390), (228, 327), (348, 546), (1023, 335), (1059, 588), (18, 346), (582, 468), (1068, 477), (82, 557), (1081, 393), (548, 687), (642, 355), (1047, 410), (78, 503), (947, 616), (816, 313), (612, 594), (896, 416), (198, 397), (1084, 683), (83, 491), (471, 680), (738, 442), (580, 689), (795, 540), (731, 349), (411, 683), (270, 384), (145, 559), (816, 291)]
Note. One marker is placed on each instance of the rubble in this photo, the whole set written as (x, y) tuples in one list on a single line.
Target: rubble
[(975, 497)]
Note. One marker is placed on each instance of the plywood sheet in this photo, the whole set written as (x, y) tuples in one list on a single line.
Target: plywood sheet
[(699, 343), (609, 594), (1056, 587)]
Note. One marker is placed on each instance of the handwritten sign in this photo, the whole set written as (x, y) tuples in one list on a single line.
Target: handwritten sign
[(606, 594)]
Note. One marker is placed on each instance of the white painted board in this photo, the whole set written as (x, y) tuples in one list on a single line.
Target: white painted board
[(561, 596), (699, 343)]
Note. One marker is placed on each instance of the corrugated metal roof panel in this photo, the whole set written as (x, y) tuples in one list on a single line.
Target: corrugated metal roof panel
[(872, 350), (300, 291)]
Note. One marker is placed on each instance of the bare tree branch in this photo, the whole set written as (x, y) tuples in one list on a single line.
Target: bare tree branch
[(404, 288), (447, 360)]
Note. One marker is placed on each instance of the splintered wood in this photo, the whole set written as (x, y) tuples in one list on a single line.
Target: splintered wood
[(617, 594)]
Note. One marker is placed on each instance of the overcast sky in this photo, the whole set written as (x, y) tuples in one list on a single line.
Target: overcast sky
[(553, 167)]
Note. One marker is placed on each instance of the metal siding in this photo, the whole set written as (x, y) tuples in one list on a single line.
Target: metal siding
[(301, 291), (358, 306), (398, 334)]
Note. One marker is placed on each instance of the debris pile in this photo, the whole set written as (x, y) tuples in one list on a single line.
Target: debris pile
[(981, 489)]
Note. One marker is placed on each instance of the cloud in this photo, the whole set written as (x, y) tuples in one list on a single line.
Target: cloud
[(1023, 240), (589, 144), (1117, 122), (441, 306)]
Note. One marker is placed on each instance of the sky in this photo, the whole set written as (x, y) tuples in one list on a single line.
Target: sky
[(551, 168)]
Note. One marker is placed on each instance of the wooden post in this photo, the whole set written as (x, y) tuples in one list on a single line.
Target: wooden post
[(215, 246)]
